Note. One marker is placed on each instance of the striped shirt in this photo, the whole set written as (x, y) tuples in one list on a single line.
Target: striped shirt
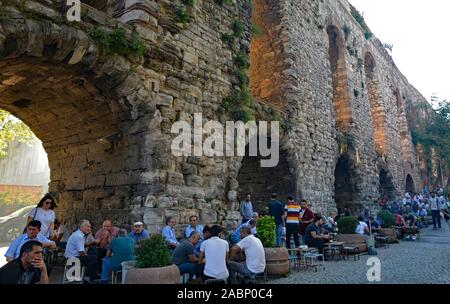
[(293, 212)]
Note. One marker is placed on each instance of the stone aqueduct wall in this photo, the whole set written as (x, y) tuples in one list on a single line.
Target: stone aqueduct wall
[(55, 78)]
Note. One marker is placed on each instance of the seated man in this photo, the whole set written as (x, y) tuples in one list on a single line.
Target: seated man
[(362, 227), (374, 224), (411, 227), (32, 234), (104, 236), (183, 256), (194, 226), (139, 233), (76, 248), (169, 234), (28, 268), (235, 237), (255, 258), (216, 252), (120, 249), (313, 235), (61, 235)]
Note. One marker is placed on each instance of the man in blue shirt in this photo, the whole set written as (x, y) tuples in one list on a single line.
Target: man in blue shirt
[(246, 209), (194, 226), (33, 229), (276, 209), (169, 234), (235, 237), (139, 233)]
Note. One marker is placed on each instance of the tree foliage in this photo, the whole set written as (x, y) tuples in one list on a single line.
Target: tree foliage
[(436, 134), (12, 129)]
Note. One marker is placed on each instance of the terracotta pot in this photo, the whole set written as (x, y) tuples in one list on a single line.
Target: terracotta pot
[(160, 275), (390, 234), (277, 261)]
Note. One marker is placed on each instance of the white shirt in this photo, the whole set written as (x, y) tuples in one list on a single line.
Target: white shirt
[(361, 228), (215, 250), (75, 244), (255, 258), (434, 203), (46, 217)]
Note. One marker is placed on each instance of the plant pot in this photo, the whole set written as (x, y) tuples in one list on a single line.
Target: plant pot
[(277, 261), (160, 275), (390, 234)]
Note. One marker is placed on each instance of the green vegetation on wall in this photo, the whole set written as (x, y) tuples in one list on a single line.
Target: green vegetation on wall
[(116, 42)]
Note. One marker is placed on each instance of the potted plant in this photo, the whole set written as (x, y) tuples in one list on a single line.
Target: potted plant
[(347, 233), (277, 259), (153, 263), (387, 225)]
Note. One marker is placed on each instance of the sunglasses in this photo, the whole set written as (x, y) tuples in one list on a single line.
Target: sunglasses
[(48, 202)]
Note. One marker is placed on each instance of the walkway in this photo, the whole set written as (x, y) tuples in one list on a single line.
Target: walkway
[(425, 261)]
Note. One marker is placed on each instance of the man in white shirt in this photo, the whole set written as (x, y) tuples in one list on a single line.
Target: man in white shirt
[(362, 227), (215, 251), (255, 259), (76, 248)]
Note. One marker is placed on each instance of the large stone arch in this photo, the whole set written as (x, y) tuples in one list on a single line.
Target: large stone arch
[(85, 109), (410, 185), (341, 102), (377, 108)]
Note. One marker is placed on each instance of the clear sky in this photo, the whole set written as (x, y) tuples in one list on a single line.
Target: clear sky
[(419, 31)]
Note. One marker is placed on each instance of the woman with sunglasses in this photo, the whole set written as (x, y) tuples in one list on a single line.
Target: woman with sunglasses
[(45, 214)]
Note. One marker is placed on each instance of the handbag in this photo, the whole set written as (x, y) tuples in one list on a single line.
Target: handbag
[(35, 212)]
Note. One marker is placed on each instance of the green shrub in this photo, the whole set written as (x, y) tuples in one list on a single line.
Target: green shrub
[(265, 228), (182, 15), (257, 31), (238, 28), (153, 252), (387, 219), (116, 42), (188, 2), (347, 224)]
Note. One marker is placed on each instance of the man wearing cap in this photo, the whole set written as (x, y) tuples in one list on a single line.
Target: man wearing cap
[(139, 233)]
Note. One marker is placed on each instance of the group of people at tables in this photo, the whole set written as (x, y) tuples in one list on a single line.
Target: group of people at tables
[(203, 254)]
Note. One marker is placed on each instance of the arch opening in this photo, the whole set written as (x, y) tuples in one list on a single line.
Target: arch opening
[(377, 109), (261, 182), (76, 123), (410, 187), (386, 185), (343, 115), (345, 184)]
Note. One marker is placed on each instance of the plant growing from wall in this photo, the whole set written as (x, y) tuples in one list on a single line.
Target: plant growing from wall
[(265, 227), (257, 31), (116, 42), (347, 224), (360, 19), (346, 29)]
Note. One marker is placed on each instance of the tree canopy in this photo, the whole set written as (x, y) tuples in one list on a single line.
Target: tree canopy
[(12, 129)]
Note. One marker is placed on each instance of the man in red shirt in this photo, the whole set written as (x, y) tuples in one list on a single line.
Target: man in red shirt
[(306, 219)]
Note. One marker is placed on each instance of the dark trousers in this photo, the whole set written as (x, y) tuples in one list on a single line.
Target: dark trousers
[(291, 229), (90, 261), (316, 244), (436, 217)]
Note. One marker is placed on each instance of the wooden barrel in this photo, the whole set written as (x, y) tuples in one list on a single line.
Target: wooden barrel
[(277, 261)]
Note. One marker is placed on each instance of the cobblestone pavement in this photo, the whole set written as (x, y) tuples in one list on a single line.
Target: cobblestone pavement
[(424, 261)]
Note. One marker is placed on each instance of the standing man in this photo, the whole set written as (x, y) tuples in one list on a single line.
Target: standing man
[(435, 207), (292, 216), (246, 209), (307, 218), (446, 210), (277, 211)]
